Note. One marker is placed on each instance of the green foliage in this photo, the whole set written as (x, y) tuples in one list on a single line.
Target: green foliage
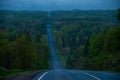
[(105, 50), (78, 58), (112, 40), (42, 61), (82, 38), (97, 42), (22, 45), (112, 48), (3, 71), (118, 14), (24, 53), (5, 53)]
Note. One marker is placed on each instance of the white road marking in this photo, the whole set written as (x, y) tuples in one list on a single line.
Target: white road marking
[(43, 75), (90, 75)]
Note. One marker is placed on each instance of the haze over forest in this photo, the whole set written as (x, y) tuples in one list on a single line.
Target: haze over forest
[(59, 4)]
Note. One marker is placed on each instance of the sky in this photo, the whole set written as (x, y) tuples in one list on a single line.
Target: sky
[(59, 4)]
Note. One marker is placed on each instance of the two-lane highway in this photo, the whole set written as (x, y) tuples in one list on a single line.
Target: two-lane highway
[(59, 73), (66, 75), (55, 61)]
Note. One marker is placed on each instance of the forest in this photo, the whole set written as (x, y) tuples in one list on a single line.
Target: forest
[(23, 41), (88, 40), (85, 40)]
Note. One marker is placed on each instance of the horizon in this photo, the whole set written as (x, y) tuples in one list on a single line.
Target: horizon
[(60, 10), (54, 5)]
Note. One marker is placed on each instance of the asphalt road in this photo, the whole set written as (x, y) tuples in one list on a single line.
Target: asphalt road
[(64, 74), (55, 61), (59, 73)]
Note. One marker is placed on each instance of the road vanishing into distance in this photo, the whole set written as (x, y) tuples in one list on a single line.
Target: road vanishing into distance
[(55, 61), (59, 73)]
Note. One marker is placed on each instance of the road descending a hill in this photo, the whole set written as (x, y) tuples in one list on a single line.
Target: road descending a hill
[(59, 73)]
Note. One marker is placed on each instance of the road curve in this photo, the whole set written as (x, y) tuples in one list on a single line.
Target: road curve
[(64, 74)]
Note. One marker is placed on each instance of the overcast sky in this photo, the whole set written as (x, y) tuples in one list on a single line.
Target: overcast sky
[(58, 4)]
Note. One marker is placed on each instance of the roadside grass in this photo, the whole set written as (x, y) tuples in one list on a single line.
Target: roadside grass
[(16, 73), (12, 73), (4, 73)]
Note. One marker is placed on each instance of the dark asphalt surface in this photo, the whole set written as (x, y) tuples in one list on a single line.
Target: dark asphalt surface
[(55, 61), (64, 74), (105, 75)]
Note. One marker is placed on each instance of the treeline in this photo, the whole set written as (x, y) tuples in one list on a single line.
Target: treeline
[(23, 41), (82, 40), (100, 52), (24, 54), (105, 51)]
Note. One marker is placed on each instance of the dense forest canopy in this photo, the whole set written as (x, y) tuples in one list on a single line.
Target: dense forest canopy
[(23, 41), (84, 39)]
